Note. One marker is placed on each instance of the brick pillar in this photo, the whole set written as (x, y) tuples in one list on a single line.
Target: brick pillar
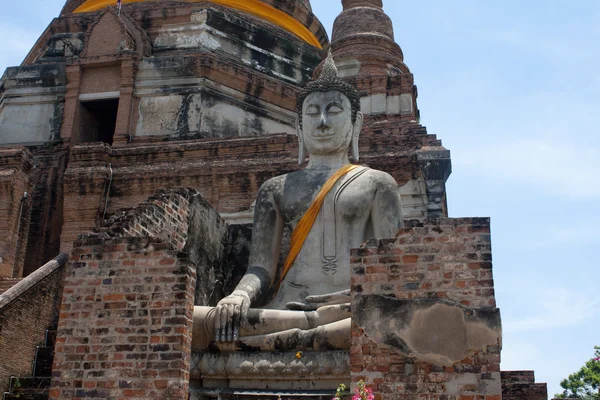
[(125, 324), (15, 210), (86, 184), (126, 101), (425, 319), (70, 123)]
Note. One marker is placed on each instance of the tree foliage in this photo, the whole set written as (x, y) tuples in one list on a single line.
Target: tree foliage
[(585, 383)]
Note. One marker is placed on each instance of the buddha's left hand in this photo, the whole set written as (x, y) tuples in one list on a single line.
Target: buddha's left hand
[(311, 303)]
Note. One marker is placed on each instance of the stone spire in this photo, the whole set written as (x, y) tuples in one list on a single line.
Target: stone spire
[(366, 53), (364, 32)]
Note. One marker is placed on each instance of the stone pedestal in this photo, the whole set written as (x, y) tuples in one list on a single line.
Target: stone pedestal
[(275, 371)]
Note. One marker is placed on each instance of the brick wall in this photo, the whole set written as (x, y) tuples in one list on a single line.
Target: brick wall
[(125, 322), (15, 210), (26, 312), (228, 173), (164, 216), (443, 265), (520, 385), (86, 183), (46, 221), (183, 218)]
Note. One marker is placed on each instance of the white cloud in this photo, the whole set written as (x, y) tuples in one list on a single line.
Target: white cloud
[(558, 308)]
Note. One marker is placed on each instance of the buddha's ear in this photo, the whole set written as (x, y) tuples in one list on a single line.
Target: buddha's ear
[(356, 134), (301, 148)]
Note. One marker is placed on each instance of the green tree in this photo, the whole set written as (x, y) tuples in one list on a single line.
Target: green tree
[(585, 383)]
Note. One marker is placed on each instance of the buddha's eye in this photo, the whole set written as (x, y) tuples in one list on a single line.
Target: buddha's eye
[(335, 109), (312, 110)]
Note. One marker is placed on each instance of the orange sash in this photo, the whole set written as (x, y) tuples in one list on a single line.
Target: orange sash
[(306, 223)]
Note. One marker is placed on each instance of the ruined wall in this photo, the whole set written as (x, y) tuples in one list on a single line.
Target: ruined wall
[(163, 216), (27, 310), (15, 209), (206, 246), (425, 316), (43, 242), (125, 322), (185, 220)]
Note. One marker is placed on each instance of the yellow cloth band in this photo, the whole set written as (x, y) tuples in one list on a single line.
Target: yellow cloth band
[(306, 223), (253, 7)]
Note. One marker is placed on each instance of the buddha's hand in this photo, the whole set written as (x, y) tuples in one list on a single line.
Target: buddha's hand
[(312, 303), (230, 314)]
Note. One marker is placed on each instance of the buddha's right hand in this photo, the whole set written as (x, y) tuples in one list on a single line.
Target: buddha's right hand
[(230, 314)]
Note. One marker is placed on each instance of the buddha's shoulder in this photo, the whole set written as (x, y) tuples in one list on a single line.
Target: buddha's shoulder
[(277, 183), (380, 177)]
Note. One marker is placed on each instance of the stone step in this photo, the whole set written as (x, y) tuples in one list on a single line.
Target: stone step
[(29, 385), (43, 362)]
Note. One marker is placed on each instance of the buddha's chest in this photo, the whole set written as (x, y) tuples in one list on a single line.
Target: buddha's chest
[(347, 203)]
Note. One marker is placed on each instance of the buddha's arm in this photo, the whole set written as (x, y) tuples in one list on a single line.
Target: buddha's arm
[(232, 311), (386, 211)]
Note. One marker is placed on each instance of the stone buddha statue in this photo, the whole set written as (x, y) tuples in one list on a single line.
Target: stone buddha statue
[(330, 206)]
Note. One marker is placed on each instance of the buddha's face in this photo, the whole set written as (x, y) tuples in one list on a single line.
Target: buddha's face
[(327, 123)]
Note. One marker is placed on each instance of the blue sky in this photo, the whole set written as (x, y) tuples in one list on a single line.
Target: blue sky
[(513, 90)]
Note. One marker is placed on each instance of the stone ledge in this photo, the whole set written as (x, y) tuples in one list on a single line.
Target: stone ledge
[(32, 280)]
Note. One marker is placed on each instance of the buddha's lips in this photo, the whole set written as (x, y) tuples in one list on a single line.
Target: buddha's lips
[(322, 136)]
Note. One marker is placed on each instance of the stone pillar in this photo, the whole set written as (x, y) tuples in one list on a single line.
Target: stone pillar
[(15, 210), (125, 324), (436, 167), (425, 317)]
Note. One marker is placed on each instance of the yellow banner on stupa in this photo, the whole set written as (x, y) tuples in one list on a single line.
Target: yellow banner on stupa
[(256, 8)]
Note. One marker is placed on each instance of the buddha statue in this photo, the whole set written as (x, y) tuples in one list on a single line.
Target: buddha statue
[(330, 206)]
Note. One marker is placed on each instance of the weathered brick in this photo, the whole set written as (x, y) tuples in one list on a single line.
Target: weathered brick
[(122, 332), (415, 277)]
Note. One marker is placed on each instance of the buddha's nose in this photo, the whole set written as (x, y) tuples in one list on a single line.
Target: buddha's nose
[(323, 123)]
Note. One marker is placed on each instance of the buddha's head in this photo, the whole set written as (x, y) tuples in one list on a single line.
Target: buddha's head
[(329, 117)]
